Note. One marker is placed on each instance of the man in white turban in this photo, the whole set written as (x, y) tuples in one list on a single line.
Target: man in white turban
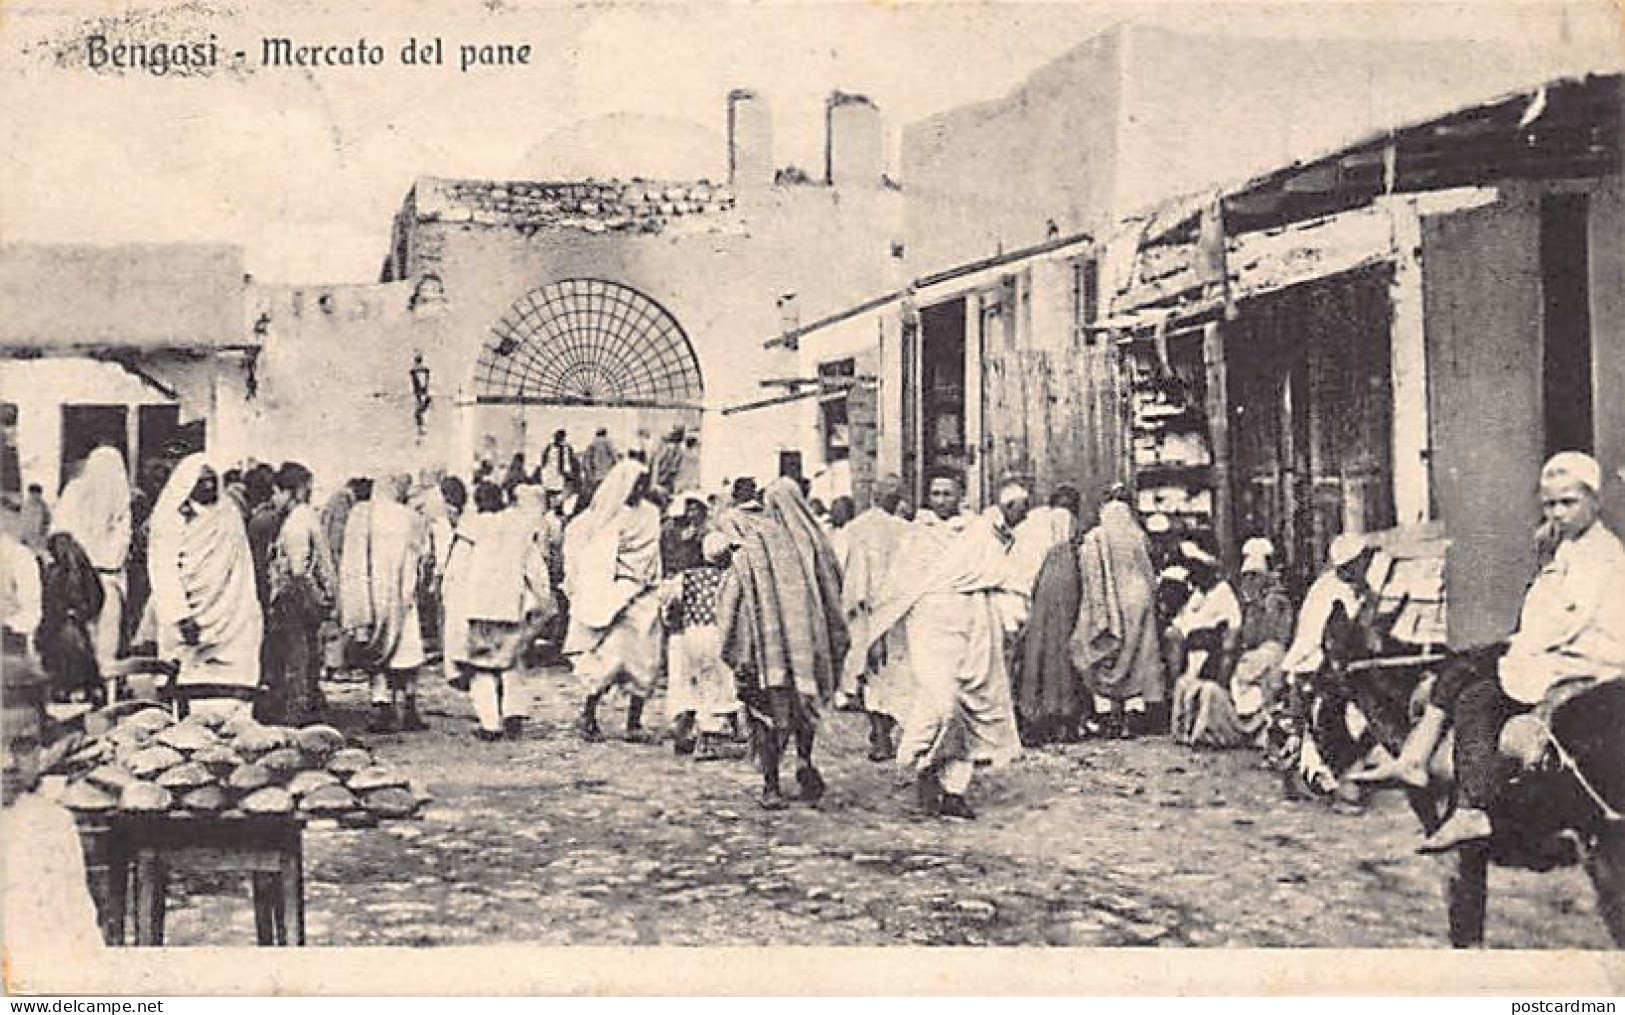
[(1571, 628)]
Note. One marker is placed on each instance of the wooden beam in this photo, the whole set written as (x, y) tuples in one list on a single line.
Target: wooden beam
[(1320, 179), (132, 365), (1218, 422), (823, 383), (768, 402), (1365, 158), (1408, 366)]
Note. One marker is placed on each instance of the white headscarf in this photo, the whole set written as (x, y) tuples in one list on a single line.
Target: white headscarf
[(95, 509), (608, 502), (201, 570), (1043, 528), (595, 580)]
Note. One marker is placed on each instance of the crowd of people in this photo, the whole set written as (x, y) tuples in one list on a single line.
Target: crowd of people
[(750, 611)]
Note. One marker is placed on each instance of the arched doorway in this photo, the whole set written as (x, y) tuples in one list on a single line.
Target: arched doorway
[(581, 354)]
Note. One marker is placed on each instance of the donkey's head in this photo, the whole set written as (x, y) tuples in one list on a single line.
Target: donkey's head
[(1348, 638)]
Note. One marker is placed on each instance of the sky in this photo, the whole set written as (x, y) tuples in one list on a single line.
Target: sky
[(304, 168)]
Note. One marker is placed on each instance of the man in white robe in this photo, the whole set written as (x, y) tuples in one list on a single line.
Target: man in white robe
[(20, 591), (612, 577), (203, 597), (49, 920), (954, 601), (881, 675), (386, 545), (1571, 632)]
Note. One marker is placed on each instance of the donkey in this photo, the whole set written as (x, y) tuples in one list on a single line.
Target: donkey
[(1566, 809)]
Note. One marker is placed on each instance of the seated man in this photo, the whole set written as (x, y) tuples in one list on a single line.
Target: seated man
[(1202, 644), (1572, 627), (1267, 619), (1303, 718)]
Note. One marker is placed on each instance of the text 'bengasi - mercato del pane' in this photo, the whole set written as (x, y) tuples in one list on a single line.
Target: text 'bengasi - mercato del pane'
[(159, 58)]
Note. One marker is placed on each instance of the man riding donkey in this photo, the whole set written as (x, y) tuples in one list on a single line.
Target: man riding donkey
[(1570, 636)]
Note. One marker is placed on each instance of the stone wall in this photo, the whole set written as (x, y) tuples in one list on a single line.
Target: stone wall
[(721, 282), (592, 206), (334, 389)]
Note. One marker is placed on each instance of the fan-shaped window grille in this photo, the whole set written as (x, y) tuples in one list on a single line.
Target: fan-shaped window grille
[(588, 342)]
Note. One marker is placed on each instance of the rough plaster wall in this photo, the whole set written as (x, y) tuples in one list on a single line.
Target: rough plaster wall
[(1139, 115), (1482, 292), (764, 432), (854, 145), (39, 388), (1608, 336), (334, 389), (995, 173)]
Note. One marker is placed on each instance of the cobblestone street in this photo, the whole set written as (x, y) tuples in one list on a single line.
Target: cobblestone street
[(553, 841)]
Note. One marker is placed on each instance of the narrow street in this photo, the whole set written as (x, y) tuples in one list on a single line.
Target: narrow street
[(550, 841)]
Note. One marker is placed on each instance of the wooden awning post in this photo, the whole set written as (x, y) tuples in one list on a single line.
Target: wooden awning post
[(1218, 423)]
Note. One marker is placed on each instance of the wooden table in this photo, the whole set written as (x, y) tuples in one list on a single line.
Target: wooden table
[(141, 851)]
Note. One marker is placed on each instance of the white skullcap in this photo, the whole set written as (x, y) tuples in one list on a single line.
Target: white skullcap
[(1158, 524), (1345, 548), (714, 545), (1574, 465), (1012, 490), (1256, 553)]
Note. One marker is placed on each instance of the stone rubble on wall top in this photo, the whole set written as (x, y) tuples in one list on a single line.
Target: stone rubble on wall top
[(593, 205)]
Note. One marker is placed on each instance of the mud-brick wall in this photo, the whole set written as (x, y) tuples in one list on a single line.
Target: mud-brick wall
[(994, 175), (1607, 251), (1483, 301), (719, 276), (333, 387)]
